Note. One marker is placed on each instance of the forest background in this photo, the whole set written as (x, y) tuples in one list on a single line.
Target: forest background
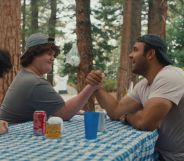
[(104, 31)]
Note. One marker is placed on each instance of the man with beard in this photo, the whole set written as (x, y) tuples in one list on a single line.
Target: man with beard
[(156, 102)]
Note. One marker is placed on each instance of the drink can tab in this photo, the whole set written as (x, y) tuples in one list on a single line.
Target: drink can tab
[(101, 122)]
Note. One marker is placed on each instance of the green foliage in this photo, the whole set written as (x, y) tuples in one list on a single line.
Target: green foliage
[(105, 34), (110, 2), (43, 18), (175, 32), (106, 26), (110, 85)]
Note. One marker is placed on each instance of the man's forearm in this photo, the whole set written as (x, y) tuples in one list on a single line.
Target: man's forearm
[(73, 105), (106, 101), (77, 102), (137, 121)]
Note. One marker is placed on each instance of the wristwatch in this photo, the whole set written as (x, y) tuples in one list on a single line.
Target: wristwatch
[(123, 118)]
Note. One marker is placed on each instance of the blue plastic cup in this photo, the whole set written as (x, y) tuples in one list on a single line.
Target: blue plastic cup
[(91, 124)]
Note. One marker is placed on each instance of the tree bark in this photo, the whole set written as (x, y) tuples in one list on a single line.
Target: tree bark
[(130, 31), (84, 43), (23, 24), (157, 16), (51, 31), (10, 11), (34, 16)]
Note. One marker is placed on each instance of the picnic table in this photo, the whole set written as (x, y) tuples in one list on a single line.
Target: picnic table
[(119, 142)]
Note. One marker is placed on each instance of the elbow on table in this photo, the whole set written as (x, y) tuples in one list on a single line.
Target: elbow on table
[(114, 117), (63, 116), (66, 118), (144, 126)]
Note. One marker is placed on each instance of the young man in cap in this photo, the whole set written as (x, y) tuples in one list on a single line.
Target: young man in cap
[(29, 90), (156, 102), (5, 66)]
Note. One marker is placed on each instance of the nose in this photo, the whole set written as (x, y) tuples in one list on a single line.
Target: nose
[(131, 55), (51, 59), (52, 56)]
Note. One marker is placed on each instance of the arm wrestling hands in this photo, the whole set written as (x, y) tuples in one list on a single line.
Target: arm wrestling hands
[(147, 117), (115, 109)]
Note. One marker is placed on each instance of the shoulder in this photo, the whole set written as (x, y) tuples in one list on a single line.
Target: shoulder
[(170, 74), (26, 78), (168, 84)]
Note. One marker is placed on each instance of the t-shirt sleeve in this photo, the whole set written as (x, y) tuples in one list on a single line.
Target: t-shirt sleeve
[(134, 94), (44, 97), (169, 87)]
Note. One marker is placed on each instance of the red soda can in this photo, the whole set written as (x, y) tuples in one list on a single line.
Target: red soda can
[(39, 122)]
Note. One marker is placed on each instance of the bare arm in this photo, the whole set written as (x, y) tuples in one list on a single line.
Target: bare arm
[(114, 108), (73, 105), (154, 111)]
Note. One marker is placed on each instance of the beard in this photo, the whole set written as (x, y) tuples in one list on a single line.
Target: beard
[(140, 67)]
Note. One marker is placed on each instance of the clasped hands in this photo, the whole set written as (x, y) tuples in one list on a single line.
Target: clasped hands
[(95, 78)]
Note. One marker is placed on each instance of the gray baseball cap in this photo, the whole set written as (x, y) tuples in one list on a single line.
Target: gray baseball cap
[(37, 39), (156, 42)]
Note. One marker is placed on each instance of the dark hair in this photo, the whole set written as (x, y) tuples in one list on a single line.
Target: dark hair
[(159, 57), (37, 50), (5, 62)]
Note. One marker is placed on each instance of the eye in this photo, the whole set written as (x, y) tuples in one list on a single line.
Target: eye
[(135, 49), (51, 53)]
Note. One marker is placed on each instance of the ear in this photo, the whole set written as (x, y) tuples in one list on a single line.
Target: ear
[(151, 54)]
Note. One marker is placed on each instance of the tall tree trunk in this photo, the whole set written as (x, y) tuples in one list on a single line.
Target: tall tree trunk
[(23, 24), (130, 31), (84, 43), (157, 15), (34, 16), (10, 11), (51, 31)]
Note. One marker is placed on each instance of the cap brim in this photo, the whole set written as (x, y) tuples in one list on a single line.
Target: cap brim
[(166, 59)]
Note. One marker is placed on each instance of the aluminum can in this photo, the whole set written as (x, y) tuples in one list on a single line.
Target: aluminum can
[(101, 122), (39, 122)]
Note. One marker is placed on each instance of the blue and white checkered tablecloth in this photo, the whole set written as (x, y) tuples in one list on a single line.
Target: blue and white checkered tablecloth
[(119, 142)]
